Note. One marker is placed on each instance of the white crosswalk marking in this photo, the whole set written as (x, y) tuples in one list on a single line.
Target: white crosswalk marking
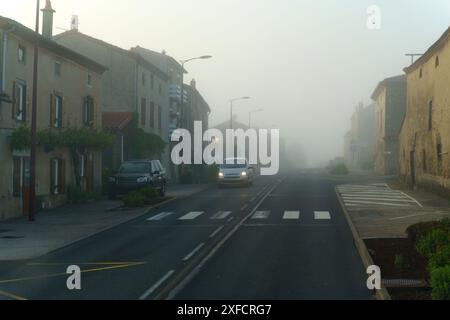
[(322, 215), (291, 215), (374, 195), (261, 215), (191, 215), (221, 215), (160, 216)]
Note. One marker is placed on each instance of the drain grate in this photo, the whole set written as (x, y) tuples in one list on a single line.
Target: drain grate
[(404, 283)]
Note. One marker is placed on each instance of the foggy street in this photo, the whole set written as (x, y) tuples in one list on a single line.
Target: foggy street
[(284, 238)]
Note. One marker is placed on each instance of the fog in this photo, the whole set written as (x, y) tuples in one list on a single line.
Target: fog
[(306, 63)]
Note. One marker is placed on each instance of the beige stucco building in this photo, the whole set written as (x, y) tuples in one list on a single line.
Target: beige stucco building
[(390, 102), (425, 134), (68, 95)]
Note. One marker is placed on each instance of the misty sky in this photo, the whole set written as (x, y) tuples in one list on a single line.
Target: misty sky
[(306, 62)]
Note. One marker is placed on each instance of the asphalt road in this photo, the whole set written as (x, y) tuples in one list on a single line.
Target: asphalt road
[(284, 238)]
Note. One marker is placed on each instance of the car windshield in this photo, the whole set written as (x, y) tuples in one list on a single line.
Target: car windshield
[(135, 167), (232, 165)]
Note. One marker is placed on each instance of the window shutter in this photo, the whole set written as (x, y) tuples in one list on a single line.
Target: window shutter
[(14, 101), (61, 108), (52, 111), (62, 176), (91, 112), (52, 176), (24, 100)]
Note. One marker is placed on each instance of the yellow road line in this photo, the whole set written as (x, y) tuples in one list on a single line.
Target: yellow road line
[(52, 275), (12, 296), (81, 264)]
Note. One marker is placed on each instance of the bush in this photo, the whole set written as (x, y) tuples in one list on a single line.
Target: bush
[(78, 196), (440, 283), (440, 259), (339, 169), (134, 199), (142, 197), (418, 230), (430, 244)]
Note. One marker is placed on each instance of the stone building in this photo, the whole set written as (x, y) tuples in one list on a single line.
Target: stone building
[(68, 96), (360, 139), (131, 84), (425, 133), (390, 104)]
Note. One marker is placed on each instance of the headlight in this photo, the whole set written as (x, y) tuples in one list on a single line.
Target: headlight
[(142, 179), (244, 173), (221, 174)]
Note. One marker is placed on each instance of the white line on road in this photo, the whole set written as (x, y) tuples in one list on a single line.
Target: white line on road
[(147, 293), (212, 235), (245, 206), (378, 199), (322, 215), (221, 215), (410, 216), (191, 215), (160, 216), (291, 215), (261, 215), (191, 254), (356, 203)]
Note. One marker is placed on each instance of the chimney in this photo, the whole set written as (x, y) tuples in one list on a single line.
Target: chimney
[(47, 20), (193, 84)]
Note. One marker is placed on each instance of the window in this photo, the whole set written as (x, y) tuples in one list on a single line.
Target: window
[(159, 118), (424, 161), (89, 80), (420, 73), (439, 151), (56, 111), (82, 165), (144, 80), (143, 111), (436, 62), (430, 116), (21, 54), (152, 81), (57, 68), (152, 114), (160, 89), (20, 101), (21, 174), (57, 176), (88, 111)]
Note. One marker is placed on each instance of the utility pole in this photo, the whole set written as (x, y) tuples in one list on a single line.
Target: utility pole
[(32, 206)]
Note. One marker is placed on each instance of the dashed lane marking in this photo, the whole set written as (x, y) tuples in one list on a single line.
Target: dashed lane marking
[(322, 215), (192, 215)]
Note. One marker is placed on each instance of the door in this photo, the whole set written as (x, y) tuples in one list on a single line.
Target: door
[(90, 173)]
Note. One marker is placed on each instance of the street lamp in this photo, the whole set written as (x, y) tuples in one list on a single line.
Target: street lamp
[(183, 62), (231, 108), (250, 116), (32, 205)]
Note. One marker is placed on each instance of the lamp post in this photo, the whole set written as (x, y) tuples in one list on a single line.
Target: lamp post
[(32, 205), (231, 108), (183, 62), (250, 116)]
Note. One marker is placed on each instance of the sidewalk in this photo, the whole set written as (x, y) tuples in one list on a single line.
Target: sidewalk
[(53, 229), (392, 222)]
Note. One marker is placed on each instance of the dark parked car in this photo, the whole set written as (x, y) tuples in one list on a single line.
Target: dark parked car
[(137, 174)]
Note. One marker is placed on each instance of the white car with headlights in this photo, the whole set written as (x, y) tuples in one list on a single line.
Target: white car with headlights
[(235, 171)]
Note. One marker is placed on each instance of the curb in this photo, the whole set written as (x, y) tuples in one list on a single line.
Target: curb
[(98, 231), (364, 254)]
